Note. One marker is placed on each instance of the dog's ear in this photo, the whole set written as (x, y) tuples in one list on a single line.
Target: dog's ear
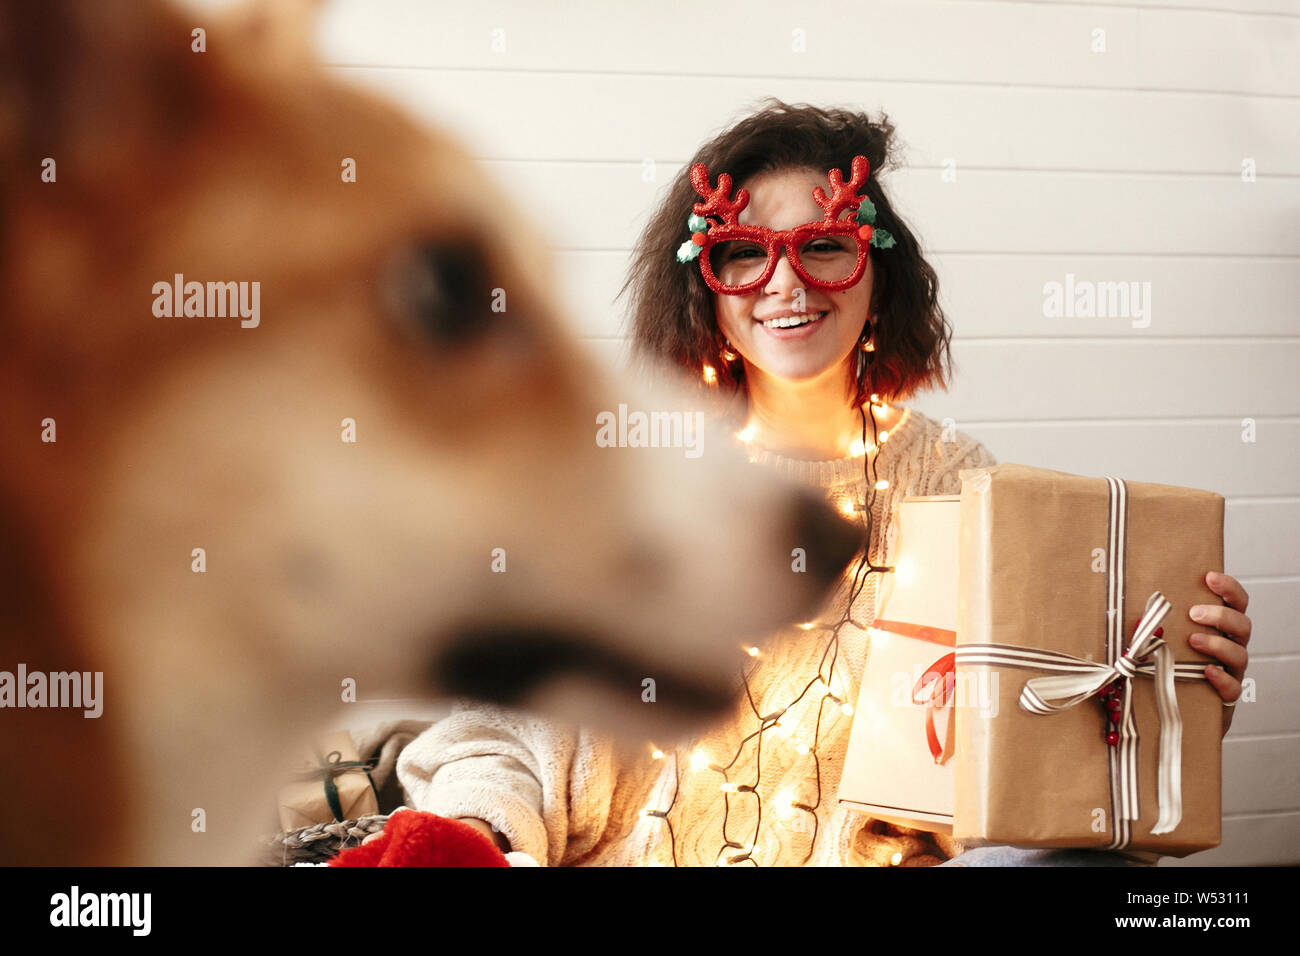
[(86, 84)]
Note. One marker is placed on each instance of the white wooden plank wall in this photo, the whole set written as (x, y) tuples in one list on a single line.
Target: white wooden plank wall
[(1123, 165)]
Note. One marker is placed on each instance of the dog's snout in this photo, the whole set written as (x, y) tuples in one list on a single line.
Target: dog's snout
[(829, 540)]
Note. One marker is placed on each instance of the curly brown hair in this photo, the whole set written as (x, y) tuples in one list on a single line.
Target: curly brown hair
[(672, 310)]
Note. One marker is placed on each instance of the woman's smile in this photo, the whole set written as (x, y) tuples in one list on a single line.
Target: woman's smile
[(788, 324)]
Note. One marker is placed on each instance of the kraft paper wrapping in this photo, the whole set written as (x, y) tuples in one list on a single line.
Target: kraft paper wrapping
[(303, 804), (1030, 542), (889, 770)]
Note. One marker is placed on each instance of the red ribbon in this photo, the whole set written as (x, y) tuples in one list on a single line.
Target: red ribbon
[(944, 669)]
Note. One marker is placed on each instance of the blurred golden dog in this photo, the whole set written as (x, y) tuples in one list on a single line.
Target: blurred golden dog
[(201, 310)]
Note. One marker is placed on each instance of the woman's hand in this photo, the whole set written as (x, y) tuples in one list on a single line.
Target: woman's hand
[(1230, 649)]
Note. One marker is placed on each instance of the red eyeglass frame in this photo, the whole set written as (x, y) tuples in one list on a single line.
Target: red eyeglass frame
[(717, 203)]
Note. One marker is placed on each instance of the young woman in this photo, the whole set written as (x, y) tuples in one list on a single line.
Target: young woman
[(817, 325)]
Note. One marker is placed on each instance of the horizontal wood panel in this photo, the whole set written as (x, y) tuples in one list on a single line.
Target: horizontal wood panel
[(1002, 43), (1002, 295), (1261, 774), (1133, 378), (1259, 537), (631, 118), (1276, 708), (1274, 611), (1203, 454)]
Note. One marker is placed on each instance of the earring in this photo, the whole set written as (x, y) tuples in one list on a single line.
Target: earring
[(727, 352), (868, 341), (866, 344)]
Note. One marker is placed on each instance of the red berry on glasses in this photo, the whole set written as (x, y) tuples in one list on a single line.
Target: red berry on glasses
[(866, 232)]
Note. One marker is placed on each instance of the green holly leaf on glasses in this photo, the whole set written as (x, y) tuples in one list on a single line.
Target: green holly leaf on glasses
[(881, 239), (867, 213), (688, 251)]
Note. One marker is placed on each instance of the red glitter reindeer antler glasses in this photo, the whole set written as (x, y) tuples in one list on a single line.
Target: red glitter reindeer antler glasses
[(737, 260)]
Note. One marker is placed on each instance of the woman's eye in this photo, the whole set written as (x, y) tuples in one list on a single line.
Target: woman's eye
[(746, 252), (824, 245), (441, 289)]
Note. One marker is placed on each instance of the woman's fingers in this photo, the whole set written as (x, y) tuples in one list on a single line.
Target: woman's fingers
[(1230, 621), (1232, 655), (1229, 687), (1228, 588)]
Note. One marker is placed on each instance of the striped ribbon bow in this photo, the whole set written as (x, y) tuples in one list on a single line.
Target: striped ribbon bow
[(1080, 679)]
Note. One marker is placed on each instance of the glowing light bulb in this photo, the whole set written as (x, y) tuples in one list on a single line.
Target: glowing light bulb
[(874, 397), (808, 625), (848, 507), (728, 788), (882, 484), (856, 448), (710, 375), (896, 859), (752, 651), (643, 813), (847, 709), (747, 433), (699, 760), (884, 437), (784, 801), (657, 755), (801, 748)]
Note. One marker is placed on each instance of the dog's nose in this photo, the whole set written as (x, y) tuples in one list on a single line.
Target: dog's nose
[(829, 541)]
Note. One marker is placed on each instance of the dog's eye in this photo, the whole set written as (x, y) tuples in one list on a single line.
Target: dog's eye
[(442, 290)]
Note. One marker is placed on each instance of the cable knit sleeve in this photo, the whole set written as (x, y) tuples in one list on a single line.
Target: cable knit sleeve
[(545, 785), (950, 457)]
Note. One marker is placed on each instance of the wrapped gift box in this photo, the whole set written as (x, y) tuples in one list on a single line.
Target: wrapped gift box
[(1056, 572), (334, 784), (899, 762)]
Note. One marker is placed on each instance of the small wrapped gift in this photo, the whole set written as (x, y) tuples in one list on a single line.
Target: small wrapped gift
[(1073, 599), (899, 766), (334, 785)]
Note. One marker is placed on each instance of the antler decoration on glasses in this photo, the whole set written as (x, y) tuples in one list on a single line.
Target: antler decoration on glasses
[(716, 201), (843, 195)]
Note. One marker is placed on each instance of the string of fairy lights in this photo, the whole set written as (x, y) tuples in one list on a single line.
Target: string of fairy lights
[(736, 849)]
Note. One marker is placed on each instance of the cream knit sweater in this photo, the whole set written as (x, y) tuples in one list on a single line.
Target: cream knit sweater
[(567, 796)]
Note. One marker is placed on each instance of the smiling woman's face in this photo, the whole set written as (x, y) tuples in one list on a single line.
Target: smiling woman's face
[(782, 199)]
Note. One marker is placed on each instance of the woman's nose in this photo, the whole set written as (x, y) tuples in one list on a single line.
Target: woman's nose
[(784, 279)]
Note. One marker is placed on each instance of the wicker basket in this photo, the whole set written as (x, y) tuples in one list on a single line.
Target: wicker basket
[(321, 842)]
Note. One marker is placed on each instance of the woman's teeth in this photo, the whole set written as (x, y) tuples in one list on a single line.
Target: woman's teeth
[(793, 321)]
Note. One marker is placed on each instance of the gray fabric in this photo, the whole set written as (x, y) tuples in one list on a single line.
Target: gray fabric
[(1016, 856)]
